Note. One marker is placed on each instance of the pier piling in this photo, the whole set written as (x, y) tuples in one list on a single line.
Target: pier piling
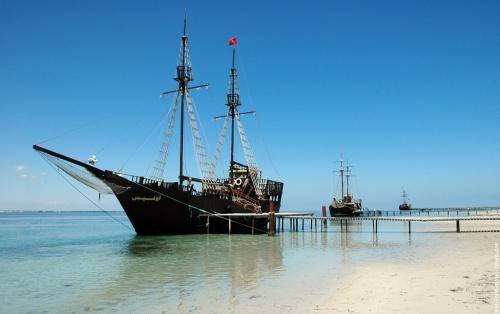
[(272, 220), (323, 211)]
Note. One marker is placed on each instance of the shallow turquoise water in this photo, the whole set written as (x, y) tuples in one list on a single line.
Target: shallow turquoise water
[(86, 261)]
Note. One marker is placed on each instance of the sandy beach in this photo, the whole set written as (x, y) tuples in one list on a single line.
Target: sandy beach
[(461, 278)]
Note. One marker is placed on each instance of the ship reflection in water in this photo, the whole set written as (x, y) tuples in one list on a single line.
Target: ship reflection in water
[(188, 271), (204, 272)]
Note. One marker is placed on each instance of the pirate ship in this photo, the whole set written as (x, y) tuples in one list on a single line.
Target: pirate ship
[(405, 205), (347, 205), (155, 206)]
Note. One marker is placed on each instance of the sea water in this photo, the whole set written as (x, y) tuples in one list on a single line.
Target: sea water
[(92, 261)]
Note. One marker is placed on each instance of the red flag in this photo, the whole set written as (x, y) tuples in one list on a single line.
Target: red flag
[(233, 41)]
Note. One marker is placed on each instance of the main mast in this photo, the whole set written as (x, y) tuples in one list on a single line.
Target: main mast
[(342, 177), (184, 76)]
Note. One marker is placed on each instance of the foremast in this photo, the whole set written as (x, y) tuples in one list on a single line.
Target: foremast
[(184, 75), (341, 170)]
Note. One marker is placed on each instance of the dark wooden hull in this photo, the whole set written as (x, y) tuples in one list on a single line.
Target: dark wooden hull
[(173, 211), (156, 208), (405, 206), (344, 210)]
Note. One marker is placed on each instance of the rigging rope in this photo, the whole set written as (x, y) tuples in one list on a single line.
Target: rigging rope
[(249, 93), (70, 131), (218, 148), (337, 188), (159, 168), (252, 164), (199, 148), (148, 136), (266, 147), (83, 194)]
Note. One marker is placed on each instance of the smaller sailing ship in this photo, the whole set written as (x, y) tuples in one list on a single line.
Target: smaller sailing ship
[(405, 205), (347, 205)]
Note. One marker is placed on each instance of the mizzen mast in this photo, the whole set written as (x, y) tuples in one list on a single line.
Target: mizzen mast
[(347, 175), (233, 101)]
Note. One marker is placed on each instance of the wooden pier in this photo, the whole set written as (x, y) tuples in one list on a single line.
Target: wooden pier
[(299, 221), (275, 220), (323, 221), (452, 211)]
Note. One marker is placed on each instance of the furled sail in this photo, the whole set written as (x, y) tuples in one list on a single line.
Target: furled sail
[(81, 172)]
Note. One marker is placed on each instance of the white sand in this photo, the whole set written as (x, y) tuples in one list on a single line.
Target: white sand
[(462, 277)]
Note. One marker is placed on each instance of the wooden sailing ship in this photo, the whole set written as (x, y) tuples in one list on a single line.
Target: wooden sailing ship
[(405, 205), (346, 205), (156, 206)]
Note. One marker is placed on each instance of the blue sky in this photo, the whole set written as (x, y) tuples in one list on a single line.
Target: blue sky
[(409, 91)]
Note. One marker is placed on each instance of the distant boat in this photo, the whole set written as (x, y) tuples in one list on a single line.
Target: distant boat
[(347, 205), (405, 205)]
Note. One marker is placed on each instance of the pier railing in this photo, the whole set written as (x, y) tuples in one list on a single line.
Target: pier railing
[(433, 212)]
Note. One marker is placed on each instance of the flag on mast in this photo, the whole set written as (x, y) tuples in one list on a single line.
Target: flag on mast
[(233, 41)]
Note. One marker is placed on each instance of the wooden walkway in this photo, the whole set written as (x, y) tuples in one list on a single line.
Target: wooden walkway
[(294, 221), (434, 211), (277, 221)]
